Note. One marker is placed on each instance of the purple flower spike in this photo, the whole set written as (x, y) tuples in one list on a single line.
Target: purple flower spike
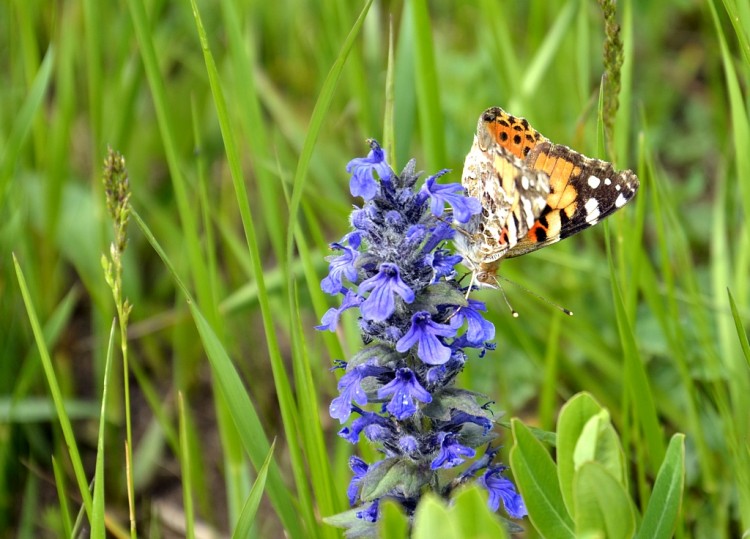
[(453, 194), (404, 388), (501, 488), (363, 183), (381, 304), (425, 332), (342, 265), (397, 270), (451, 452)]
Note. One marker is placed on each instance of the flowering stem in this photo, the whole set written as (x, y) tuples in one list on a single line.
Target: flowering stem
[(117, 192)]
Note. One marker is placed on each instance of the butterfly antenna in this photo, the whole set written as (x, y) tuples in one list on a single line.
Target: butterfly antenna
[(537, 296), (513, 312)]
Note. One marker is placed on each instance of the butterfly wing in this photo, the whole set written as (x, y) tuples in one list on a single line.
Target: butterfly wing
[(511, 132), (583, 191)]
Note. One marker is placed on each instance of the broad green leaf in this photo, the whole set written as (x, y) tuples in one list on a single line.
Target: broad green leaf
[(473, 517), (599, 443), (467, 516), (431, 520), (574, 416), (393, 522), (603, 506), (536, 477), (660, 517)]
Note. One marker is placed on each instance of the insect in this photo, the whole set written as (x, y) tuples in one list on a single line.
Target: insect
[(533, 192)]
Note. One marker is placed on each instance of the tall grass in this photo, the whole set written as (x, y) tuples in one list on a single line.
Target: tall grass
[(237, 119)]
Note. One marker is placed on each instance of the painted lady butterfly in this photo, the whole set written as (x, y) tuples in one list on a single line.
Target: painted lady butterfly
[(533, 192)]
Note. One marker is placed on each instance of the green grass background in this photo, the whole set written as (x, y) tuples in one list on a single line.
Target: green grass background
[(236, 153)]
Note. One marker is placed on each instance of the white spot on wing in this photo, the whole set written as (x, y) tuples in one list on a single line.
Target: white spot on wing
[(607, 181), (592, 210), (525, 183), (528, 212), (621, 200), (594, 182), (618, 187)]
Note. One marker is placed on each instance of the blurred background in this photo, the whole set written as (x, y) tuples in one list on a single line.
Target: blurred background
[(79, 77)]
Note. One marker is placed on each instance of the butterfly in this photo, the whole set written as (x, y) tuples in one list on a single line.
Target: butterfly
[(533, 192)]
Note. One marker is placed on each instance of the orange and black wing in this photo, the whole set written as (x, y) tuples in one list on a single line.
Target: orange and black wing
[(583, 191)]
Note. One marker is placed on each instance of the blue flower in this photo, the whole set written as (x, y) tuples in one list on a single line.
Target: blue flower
[(480, 330), (350, 387), (501, 488), (461, 418), (380, 304), (330, 319), (481, 463), (452, 193), (408, 444), (376, 427), (439, 233), (362, 183), (425, 332), (342, 265), (350, 390), (359, 467), (371, 513), (405, 388), (451, 452), (442, 263)]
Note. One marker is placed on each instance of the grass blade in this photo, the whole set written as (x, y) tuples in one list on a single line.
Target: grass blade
[(250, 508), (97, 519), (54, 387)]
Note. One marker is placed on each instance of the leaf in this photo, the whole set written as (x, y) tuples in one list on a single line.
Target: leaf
[(354, 526), (586, 434), (536, 477), (392, 522), (603, 506), (452, 398), (741, 335), (436, 295), (599, 443), (247, 517), (663, 508), (574, 416), (392, 474), (431, 520), (467, 516), (473, 515), (381, 352)]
